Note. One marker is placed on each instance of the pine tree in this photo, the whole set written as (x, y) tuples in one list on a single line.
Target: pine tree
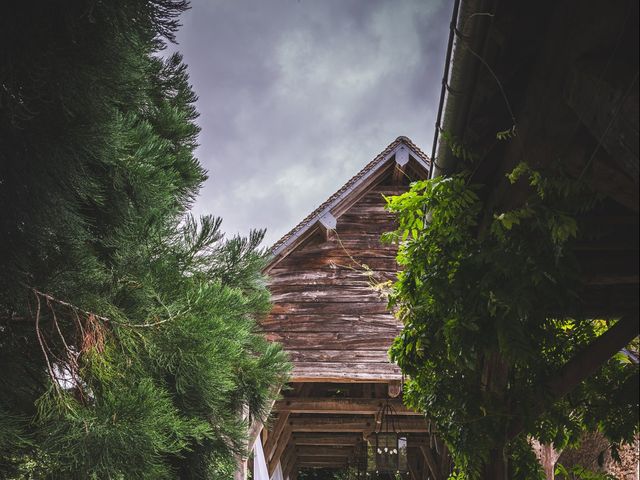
[(128, 339)]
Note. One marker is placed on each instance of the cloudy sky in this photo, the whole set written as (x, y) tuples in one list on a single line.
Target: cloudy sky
[(296, 96)]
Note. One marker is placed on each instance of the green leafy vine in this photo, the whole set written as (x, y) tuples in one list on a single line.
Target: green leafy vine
[(490, 306)]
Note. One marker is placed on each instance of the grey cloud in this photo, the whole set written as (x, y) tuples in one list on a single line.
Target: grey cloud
[(296, 96)]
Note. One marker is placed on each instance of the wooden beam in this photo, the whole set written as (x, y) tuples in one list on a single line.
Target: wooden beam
[(431, 462), (282, 445), (326, 439), (316, 451), (288, 461), (257, 426), (353, 424), (353, 406), (609, 301), (331, 424), (398, 174), (345, 372), (594, 99), (316, 462), (581, 366), (274, 436)]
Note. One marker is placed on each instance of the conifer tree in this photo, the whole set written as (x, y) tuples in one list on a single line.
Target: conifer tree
[(128, 340)]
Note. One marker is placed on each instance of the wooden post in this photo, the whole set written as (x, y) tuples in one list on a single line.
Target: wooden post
[(241, 461), (241, 470)]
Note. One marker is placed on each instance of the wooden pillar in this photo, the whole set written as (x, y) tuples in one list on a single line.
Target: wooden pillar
[(241, 461), (241, 470)]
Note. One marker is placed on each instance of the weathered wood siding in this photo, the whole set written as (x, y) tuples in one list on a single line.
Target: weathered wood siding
[(326, 313)]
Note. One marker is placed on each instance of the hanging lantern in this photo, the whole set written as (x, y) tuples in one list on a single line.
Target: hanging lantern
[(387, 447)]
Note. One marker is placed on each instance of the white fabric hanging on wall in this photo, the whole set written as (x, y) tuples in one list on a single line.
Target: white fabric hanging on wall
[(277, 474), (260, 470)]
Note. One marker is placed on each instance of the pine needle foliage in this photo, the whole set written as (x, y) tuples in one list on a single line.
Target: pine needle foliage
[(128, 339)]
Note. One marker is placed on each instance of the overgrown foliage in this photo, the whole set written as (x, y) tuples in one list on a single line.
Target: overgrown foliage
[(490, 302), (128, 342)]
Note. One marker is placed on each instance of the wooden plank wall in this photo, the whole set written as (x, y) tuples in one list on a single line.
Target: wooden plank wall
[(326, 313)]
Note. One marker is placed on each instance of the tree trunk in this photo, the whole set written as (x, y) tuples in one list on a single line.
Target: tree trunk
[(547, 456)]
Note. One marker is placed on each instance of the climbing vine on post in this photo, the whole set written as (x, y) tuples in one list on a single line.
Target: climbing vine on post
[(490, 306)]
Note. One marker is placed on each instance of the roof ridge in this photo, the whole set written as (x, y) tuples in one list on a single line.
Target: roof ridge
[(369, 166)]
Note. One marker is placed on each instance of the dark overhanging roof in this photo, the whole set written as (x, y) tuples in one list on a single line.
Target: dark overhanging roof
[(282, 246), (575, 100)]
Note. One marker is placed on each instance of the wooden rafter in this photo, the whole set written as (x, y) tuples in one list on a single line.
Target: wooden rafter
[(343, 423), (319, 462), (326, 439), (353, 406), (315, 451)]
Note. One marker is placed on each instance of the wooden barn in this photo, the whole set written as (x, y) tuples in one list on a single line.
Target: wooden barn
[(562, 77), (332, 318)]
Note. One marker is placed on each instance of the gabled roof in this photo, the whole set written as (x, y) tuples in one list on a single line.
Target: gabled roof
[(359, 180)]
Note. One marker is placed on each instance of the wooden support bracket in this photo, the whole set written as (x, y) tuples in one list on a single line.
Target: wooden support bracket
[(395, 388), (402, 160), (282, 445), (328, 224), (431, 462)]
